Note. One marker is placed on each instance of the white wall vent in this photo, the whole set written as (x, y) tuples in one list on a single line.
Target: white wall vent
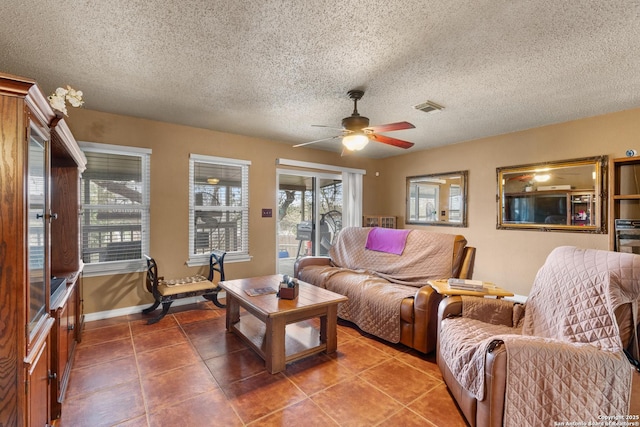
[(429, 107)]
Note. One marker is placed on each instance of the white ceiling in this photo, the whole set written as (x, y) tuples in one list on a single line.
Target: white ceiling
[(273, 68)]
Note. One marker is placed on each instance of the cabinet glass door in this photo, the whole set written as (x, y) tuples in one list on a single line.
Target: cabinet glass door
[(37, 251)]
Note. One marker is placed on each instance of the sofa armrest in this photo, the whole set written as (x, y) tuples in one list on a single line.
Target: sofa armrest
[(490, 410), (309, 260), (491, 310), (488, 310), (467, 263), (450, 307), (425, 323)]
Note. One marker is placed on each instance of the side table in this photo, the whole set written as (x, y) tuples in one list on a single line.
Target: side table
[(442, 287)]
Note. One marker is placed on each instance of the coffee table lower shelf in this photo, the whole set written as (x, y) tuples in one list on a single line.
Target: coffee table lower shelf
[(302, 339)]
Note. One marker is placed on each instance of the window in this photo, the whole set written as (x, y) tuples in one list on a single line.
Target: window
[(425, 202), (115, 203), (455, 203), (218, 208)]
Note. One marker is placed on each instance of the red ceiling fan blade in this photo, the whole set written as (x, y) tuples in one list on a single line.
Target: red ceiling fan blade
[(391, 141), (389, 127), (317, 140)]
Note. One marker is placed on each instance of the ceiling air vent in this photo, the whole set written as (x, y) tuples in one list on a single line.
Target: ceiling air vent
[(429, 107)]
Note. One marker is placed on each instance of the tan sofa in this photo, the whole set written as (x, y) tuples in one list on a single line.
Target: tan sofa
[(557, 358), (388, 293)]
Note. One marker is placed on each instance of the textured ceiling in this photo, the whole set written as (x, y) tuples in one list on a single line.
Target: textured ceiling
[(273, 68)]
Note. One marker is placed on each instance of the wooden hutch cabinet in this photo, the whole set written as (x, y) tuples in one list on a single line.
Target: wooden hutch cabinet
[(40, 167)]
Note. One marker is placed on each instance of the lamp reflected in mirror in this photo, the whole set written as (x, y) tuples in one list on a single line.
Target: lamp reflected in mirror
[(542, 177)]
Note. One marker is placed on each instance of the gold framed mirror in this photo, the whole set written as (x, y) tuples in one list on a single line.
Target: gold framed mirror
[(437, 199), (568, 195)]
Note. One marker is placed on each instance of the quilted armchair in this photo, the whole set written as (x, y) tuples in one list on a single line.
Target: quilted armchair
[(558, 358)]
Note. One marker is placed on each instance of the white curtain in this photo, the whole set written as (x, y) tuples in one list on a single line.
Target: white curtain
[(351, 199)]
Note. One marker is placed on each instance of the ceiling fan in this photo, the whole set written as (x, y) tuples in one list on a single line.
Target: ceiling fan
[(356, 131)]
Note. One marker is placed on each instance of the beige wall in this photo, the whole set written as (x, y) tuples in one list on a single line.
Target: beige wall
[(171, 145), (507, 257), (510, 258)]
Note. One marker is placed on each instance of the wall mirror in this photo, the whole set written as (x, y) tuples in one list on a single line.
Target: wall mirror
[(567, 195), (437, 199)]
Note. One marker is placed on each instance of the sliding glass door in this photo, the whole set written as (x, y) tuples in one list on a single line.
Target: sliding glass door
[(309, 215)]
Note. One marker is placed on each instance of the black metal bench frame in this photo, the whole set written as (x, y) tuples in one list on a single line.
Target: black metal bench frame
[(216, 264)]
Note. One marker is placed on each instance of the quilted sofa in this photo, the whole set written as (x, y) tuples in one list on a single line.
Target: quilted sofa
[(557, 358), (384, 273)]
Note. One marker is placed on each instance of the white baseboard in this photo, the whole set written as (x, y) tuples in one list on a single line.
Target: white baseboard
[(100, 315)]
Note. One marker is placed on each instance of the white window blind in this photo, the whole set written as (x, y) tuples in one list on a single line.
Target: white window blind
[(115, 204), (218, 208)]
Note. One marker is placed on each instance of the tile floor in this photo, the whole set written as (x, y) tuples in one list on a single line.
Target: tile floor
[(187, 371)]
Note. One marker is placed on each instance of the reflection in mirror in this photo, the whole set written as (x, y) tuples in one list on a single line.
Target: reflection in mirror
[(564, 196), (437, 199)]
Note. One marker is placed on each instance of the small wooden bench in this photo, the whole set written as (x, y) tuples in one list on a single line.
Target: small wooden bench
[(165, 292)]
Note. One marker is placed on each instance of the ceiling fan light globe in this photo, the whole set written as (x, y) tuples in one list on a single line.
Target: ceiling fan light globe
[(355, 142)]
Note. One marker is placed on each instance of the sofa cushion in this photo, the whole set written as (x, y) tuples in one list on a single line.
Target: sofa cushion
[(316, 274), (463, 345), (374, 303), (426, 256)]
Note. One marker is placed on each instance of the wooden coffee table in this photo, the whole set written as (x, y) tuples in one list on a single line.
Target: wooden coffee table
[(264, 327)]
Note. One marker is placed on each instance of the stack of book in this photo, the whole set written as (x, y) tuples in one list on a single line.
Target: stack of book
[(466, 285)]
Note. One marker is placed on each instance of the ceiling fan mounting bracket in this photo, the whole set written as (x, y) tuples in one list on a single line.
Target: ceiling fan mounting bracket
[(355, 94), (355, 123)]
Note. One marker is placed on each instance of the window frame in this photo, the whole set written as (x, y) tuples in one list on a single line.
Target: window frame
[(133, 265), (240, 256)]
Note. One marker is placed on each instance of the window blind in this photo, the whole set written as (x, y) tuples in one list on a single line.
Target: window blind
[(115, 204), (218, 207)]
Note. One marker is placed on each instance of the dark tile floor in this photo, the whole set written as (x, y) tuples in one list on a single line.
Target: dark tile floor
[(187, 371)]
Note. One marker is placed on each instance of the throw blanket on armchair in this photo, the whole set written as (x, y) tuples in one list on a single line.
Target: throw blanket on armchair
[(570, 344)]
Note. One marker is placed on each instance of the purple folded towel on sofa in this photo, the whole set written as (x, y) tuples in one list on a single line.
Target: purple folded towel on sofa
[(387, 240)]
